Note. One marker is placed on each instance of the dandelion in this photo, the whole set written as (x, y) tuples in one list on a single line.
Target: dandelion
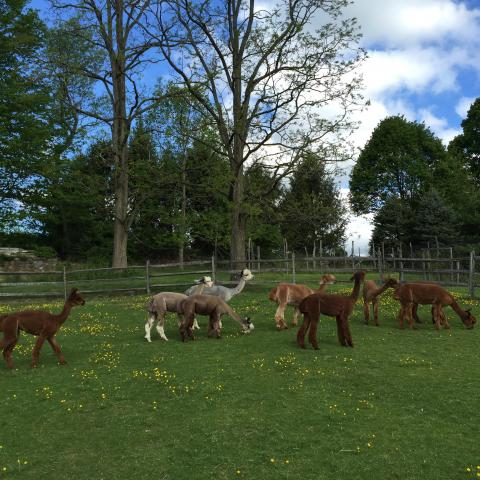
[(272, 460), (238, 472), (287, 461)]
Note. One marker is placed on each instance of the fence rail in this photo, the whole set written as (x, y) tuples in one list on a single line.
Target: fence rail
[(456, 272)]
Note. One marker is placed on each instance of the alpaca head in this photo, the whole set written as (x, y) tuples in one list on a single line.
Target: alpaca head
[(360, 276), (247, 325), (246, 274), (391, 283), (327, 279), (75, 298), (468, 319), (207, 281)]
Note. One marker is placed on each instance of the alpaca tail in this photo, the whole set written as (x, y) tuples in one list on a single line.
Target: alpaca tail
[(2, 317), (273, 294)]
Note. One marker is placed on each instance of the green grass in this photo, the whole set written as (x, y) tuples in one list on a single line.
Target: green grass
[(400, 405)]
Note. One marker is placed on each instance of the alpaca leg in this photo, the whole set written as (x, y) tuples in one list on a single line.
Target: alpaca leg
[(161, 327), (437, 315), (443, 319), (366, 311), (341, 332), (312, 334), (7, 346), (280, 317), (196, 326), (7, 352), (296, 313), (408, 312), (58, 351), (415, 314), (375, 311), (149, 325), (346, 332), (303, 330), (36, 350)]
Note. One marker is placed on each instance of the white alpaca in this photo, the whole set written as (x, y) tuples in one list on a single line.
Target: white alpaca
[(226, 293), (164, 302)]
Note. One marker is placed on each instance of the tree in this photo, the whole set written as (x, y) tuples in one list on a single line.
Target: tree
[(392, 223), (312, 209), (397, 162), (25, 117), (468, 142), (261, 77), (434, 220), (112, 31)]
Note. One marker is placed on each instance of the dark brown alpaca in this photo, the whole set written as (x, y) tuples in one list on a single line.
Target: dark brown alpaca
[(39, 323), (332, 305)]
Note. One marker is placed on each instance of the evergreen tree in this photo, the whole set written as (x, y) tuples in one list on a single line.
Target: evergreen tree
[(312, 209)]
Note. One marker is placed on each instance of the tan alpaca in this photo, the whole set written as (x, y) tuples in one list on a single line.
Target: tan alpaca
[(371, 294), (42, 324), (331, 305), (212, 306), (410, 294), (292, 294)]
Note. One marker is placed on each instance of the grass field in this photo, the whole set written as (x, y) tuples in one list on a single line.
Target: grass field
[(400, 405)]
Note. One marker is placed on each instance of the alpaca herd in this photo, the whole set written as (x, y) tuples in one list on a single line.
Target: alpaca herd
[(205, 298)]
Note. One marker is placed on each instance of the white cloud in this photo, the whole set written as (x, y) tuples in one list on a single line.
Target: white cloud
[(395, 23), (463, 105)]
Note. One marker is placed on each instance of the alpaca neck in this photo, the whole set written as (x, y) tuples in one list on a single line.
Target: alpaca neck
[(380, 290), (356, 290), (63, 315), (199, 289), (241, 284), (233, 314), (456, 307)]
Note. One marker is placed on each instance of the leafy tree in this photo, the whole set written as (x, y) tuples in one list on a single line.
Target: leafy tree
[(468, 142), (25, 120), (311, 209), (397, 162), (262, 78)]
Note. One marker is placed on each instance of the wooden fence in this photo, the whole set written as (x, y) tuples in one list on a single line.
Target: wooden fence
[(148, 278)]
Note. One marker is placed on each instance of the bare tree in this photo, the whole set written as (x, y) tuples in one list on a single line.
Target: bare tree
[(271, 84), (110, 28)]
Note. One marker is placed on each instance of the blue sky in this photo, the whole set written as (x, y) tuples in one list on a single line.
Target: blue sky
[(424, 63)]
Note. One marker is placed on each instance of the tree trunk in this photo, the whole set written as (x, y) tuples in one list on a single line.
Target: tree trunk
[(183, 219), (237, 243), (120, 134)]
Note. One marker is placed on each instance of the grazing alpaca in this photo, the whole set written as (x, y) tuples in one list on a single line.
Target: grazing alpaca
[(338, 306), (212, 306), (292, 294), (371, 293), (225, 293), (164, 302), (39, 323), (429, 294)]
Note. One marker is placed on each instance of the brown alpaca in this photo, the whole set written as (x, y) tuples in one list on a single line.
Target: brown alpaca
[(371, 293), (292, 294), (42, 324), (410, 294), (212, 306), (338, 306)]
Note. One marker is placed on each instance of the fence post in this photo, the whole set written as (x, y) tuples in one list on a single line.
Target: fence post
[(380, 270), (471, 275), (451, 264), (424, 266), (147, 276), (213, 268), (458, 271), (293, 267), (258, 258), (65, 282), (400, 251)]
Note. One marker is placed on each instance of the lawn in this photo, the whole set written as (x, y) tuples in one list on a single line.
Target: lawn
[(400, 405)]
